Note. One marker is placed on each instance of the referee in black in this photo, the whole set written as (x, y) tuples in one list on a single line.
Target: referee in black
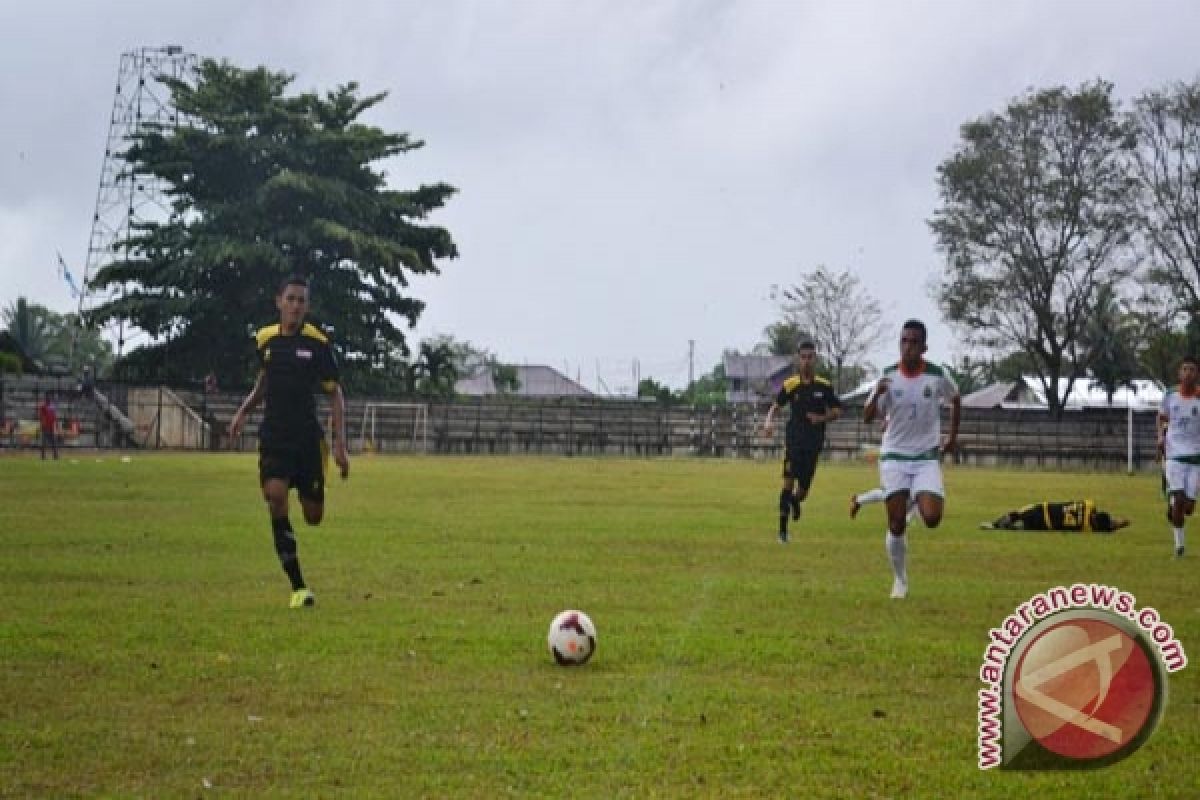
[(813, 403), (295, 360)]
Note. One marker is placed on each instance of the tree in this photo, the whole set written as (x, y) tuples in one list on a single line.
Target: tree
[(707, 390), (31, 327), (782, 338), (1167, 165), (468, 359), (264, 184), (648, 387), (1033, 221), (1109, 340), (842, 317), (49, 335)]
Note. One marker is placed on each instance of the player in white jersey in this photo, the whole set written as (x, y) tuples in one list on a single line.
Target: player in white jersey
[(910, 396), (1179, 444)]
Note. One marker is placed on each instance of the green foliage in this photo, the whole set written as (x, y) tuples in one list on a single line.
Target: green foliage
[(1034, 220), (648, 387), (10, 364), (1111, 344), (57, 338), (149, 652), (264, 184), (707, 390), (31, 326), (783, 338)]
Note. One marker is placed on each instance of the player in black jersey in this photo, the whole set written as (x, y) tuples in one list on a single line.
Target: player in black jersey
[(1072, 515), (813, 402), (295, 359)]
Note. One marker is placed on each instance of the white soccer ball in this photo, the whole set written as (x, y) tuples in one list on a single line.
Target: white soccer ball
[(572, 638)]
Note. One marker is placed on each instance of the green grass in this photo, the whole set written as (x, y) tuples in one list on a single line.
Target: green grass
[(146, 649)]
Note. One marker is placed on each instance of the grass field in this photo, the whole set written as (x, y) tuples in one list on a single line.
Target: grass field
[(147, 649)]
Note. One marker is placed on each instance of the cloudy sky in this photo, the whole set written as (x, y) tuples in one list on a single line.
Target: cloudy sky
[(633, 175)]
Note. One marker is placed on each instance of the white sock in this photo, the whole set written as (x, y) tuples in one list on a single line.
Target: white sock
[(1178, 536), (897, 548), (871, 496)]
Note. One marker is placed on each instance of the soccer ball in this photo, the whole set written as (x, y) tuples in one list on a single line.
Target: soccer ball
[(572, 638)]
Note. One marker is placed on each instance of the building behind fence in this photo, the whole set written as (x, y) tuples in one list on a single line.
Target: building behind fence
[(158, 418)]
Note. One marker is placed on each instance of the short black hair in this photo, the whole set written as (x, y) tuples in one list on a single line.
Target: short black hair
[(916, 325), (1189, 359), (806, 344), (294, 279)]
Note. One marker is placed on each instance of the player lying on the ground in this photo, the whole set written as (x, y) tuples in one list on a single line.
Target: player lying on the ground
[(1073, 515)]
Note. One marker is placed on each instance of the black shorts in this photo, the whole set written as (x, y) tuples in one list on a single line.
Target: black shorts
[(800, 464), (302, 466)]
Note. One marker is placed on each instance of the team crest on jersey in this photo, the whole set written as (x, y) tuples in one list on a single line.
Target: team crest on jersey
[(928, 392)]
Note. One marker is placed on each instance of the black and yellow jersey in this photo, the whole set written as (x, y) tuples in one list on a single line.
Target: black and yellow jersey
[(802, 397), (295, 366), (1074, 515)]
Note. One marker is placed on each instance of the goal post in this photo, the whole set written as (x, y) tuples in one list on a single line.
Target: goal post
[(394, 427)]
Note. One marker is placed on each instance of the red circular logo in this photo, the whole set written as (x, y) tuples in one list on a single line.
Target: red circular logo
[(1084, 688)]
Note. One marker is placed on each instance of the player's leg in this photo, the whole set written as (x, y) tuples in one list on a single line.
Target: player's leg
[(929, 492), (275, 471), (1180, 478), (803, 469), (785, 493), (896, 480), (310, 481)]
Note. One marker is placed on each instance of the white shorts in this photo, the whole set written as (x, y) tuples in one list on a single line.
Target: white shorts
[(1182, 477), (914, 477)]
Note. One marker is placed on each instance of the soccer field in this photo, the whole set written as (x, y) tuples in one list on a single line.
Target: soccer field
[(148, 650)]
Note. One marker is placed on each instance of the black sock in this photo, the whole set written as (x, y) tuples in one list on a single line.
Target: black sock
[(285, 547), (785, 508)]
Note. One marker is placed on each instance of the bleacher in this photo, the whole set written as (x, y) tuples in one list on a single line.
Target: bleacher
[(19, 427)]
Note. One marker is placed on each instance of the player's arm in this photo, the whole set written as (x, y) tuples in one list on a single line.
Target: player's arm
[(769, 423), (955, 417), (249, 404), (1163, 422), (871, 409), (337, 402)]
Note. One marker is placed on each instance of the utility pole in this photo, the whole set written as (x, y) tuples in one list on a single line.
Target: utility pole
[(691, 361)]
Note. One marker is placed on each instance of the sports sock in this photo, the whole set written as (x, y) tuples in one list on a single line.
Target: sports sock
[(870, 496), (1178, 536), (785, 508), (897, 548), (285, 547)]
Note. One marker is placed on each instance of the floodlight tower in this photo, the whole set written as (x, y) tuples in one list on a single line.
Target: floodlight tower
[(125, 197)]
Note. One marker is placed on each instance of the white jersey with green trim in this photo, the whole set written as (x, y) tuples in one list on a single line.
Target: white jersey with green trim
[(1182, 413), (912, 406)]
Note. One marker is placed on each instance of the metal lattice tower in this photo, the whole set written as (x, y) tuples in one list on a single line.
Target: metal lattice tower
[(124, 197)]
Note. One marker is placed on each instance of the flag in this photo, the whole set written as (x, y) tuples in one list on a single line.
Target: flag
[(65, 272)]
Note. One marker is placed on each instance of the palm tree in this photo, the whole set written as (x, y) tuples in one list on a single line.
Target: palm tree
[(31, 327)]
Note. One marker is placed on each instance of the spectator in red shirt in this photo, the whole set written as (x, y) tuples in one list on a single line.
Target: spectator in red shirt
[(48, 419)]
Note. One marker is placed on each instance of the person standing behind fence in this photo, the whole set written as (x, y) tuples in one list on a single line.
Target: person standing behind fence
[(909, 396), (295, 359), (1179, 446), (48, 423), (813, 403)]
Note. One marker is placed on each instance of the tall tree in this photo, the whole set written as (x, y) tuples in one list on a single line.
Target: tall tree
[(840, 314), (781, 338), (1033, 221), (263, 184), (1167, 165)]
